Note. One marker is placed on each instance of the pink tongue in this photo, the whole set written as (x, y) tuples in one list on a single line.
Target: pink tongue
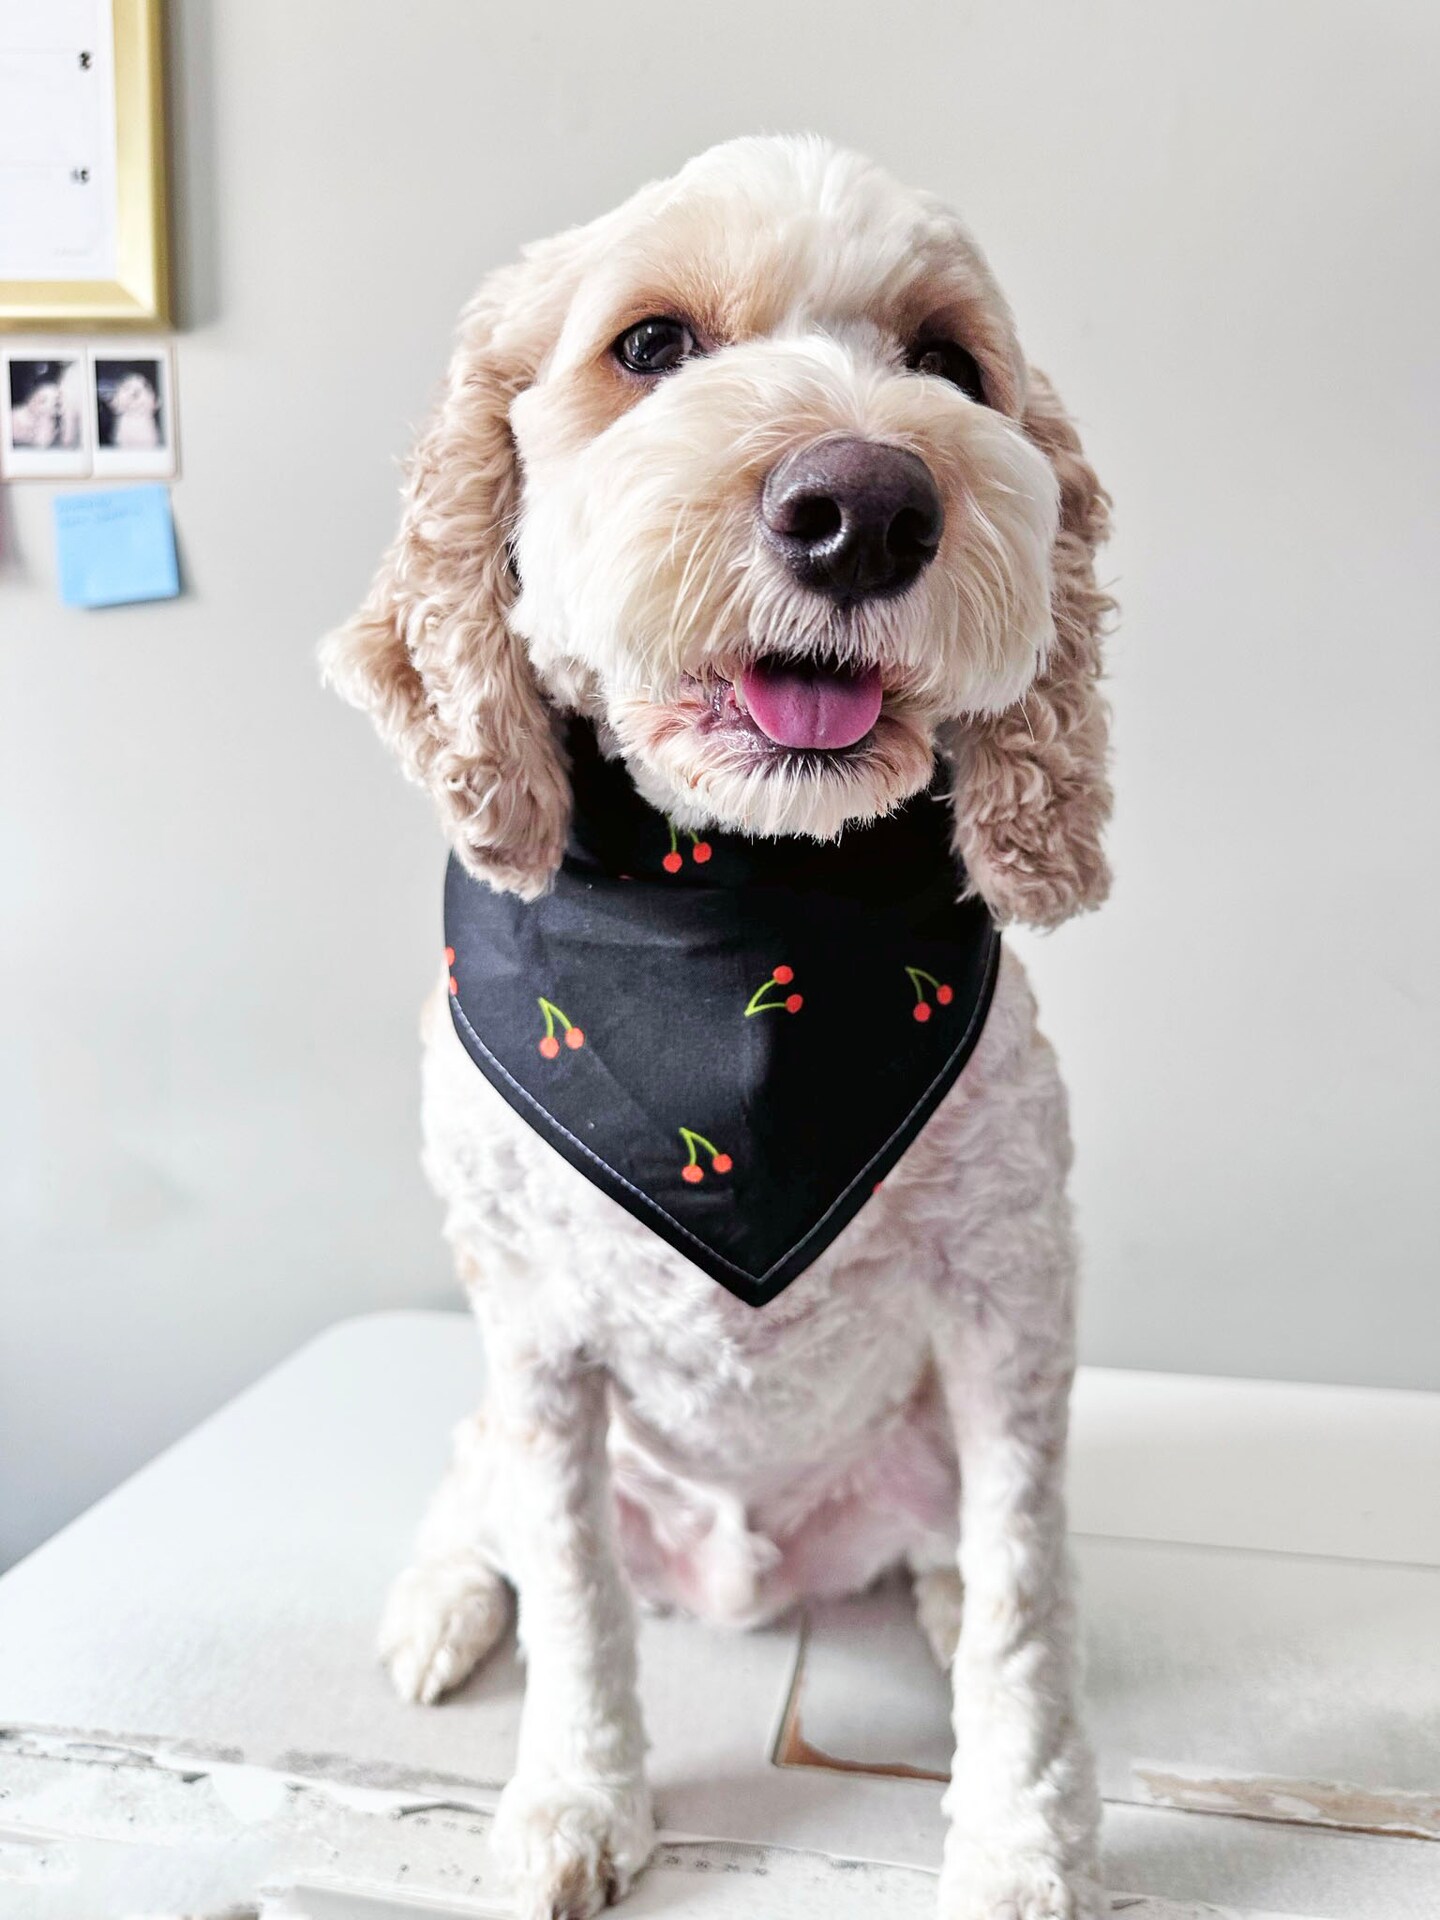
[(802, 705)]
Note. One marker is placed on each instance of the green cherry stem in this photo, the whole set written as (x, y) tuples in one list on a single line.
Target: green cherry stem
[(917, 974), (552, 1013)]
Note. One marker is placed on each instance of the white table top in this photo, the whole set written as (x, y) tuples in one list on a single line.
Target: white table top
[(191, 1715)]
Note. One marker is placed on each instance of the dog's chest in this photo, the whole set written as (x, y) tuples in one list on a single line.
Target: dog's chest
[(563, 1266), (735, 1397)]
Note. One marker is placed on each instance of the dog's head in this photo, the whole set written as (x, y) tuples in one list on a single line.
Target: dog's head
[(751, 472)]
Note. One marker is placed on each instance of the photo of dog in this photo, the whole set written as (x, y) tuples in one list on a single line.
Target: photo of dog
[(133, 408), (752, 475), (44, 423), (129, 406)]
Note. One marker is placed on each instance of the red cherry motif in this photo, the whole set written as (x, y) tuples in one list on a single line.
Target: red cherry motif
[(454, 984), (920, 980), (449, 956), (549, 1042), (700, 850), (692, 1173), (761, 1002)]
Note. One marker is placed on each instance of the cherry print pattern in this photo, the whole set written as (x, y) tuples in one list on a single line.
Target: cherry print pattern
[(944, 993), (761, 1001), (696, 1144), (788, 1003), (775, 994), (700, 850), (550, 1043), (798, 1152)]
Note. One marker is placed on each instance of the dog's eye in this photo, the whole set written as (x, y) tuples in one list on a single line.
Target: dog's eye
[(947, 360), (654, 346)]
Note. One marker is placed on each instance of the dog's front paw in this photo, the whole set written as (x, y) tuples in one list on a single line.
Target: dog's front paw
[(984, 1883), (569, 1848), (440, 1621)]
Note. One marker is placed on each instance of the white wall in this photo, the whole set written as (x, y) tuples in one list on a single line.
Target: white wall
[(221, 905)]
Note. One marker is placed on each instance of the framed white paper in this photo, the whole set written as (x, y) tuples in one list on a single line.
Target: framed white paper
[(82, 164), (44, 414), (132, 411)]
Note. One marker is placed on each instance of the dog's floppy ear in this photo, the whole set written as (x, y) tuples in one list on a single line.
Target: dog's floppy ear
[(430, 655), (1032, 795)]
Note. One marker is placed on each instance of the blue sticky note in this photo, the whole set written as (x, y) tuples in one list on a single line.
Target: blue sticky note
[(115, 547)]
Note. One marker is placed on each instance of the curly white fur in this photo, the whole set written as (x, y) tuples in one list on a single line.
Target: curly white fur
[(905, 1400)]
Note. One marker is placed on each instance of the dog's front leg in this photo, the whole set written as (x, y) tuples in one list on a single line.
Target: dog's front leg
[(574, 1825), (1022, 1803)]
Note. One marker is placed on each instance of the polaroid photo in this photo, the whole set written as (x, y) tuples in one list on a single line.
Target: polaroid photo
[(45, 429), (132, 412)]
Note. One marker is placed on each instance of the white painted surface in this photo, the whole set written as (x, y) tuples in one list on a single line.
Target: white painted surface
[(1202, 1664), (221, 905), (219, 1725), (1352, 1473)]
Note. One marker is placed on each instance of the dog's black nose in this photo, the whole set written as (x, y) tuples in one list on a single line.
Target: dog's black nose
[(852, 518)]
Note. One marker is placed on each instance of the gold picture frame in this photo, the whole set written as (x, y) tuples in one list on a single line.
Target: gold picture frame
[(139, 293)]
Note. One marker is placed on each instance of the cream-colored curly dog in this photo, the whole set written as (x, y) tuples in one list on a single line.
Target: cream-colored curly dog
[(584, 531)]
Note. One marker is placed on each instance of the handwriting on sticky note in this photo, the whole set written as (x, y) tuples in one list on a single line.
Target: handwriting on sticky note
[(116, 546)]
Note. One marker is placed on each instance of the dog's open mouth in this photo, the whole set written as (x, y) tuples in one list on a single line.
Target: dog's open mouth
[(813, 706)]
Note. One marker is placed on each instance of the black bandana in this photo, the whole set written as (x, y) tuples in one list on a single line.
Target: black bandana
[(736, 1039)]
